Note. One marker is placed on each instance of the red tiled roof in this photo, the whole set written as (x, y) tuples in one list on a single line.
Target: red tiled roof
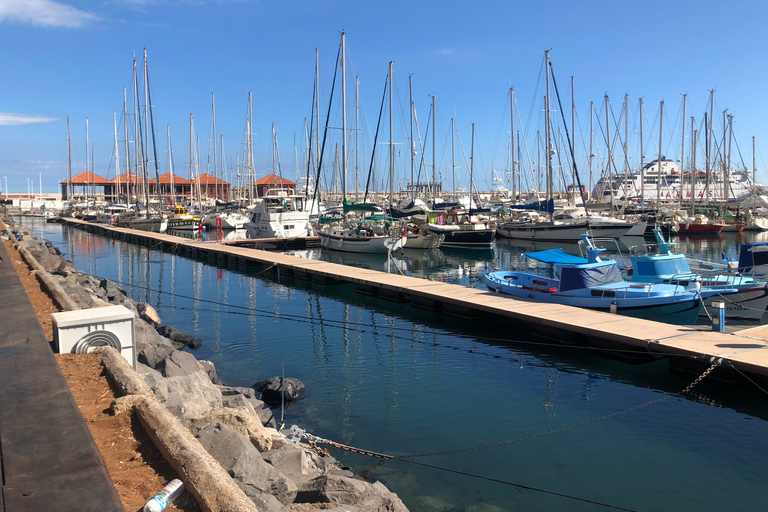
[(274, 179), (126, 177), (207, 179), (88, 178), (165, 179)]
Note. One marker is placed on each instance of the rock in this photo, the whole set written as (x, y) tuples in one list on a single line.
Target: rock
[(78, 294), (266, 417), (272, 390), (195, 392), (237, 419), (180, 363), (235, 390), (359, 493), (112, 291), (52, 249), (268, 503), (148, 314), (87, 281), (178, 338), (431, 504), (152, 349), (295, 463), (253, 406), (210, 369), (244, 463)]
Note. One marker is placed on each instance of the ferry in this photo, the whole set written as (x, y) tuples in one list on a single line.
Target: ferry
[(668, 183)]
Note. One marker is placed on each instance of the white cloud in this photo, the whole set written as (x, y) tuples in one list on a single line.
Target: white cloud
[(7, 119), (44, 13)]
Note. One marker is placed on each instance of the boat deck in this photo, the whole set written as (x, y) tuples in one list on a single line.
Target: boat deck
[(744, 350)]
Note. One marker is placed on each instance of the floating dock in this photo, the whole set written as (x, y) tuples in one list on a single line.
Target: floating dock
[(742, 352)]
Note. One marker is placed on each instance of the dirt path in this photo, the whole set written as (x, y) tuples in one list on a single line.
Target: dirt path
[(137, 468)]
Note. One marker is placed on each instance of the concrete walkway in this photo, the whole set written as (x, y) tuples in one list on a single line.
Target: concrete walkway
[(48, 457)]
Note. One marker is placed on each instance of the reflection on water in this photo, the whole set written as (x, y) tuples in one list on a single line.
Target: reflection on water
[(395, 379)]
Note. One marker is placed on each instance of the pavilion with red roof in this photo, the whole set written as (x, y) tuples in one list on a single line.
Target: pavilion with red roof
[(86, 184), (274, 182), (212, 187)]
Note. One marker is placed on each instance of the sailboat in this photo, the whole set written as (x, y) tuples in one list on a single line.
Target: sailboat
[(146, 220), (362, 230)]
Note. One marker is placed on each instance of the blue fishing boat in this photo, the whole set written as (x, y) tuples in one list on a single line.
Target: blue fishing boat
[(598, 284), (745, 297)]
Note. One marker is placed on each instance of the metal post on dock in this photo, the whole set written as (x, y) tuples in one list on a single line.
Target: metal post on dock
[(718, 316)]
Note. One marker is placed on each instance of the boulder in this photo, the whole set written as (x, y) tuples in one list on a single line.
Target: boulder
[(295, 463), (195, 392), (237, 419), (112, 292), (373, 497), (148, 314), (272, 390), (52, 248), (210, 369), (236, 390), (180, 363), (178, 338), (152, 349), (252, 405), (81, 296), (244, 464)]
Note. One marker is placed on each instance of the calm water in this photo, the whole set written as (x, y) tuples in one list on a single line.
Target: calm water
[(393, 379)]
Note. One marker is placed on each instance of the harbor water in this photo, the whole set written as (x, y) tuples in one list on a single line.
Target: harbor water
[(507, 419)]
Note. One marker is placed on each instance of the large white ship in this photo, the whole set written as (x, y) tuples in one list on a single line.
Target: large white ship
[(669, 184)]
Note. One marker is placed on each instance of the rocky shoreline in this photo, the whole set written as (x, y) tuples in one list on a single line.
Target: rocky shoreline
[(233, 424)]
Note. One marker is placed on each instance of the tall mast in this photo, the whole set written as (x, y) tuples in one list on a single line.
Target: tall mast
[(609, 172), (754, 167), (694, 136), (453, 154), (642, 156), (658, 171), (127, 149), (723, 159), (357, 140), (138, 143), (117, 157), (86, 163), (727, 178), (317, 108), (512, 140), (573, 130), (682, 150), (413, 146), (191, 157), (344, 119), (213, 122), (152, 124), (391, 146), (69, 168), (547, 134), (434, 160), (626, 133), (591, 140), (145, 156), (172, 190), (710, 133), (221, 155), (471, 166), (250, 145)]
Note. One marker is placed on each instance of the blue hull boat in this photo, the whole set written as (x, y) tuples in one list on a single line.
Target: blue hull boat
[(598, 284)]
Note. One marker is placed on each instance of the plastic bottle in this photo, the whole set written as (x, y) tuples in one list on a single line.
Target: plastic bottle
[(169, 493)]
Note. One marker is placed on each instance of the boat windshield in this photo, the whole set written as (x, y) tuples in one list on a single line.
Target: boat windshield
[(662, 267)]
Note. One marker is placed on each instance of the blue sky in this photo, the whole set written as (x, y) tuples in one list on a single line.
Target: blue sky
[(74, 57)]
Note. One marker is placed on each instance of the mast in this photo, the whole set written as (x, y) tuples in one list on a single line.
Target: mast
[(357, 140), (152, 125), (413, 145), (317, 111), (694, 136), (344, 119), (453, 155), (609, 173), (191, 157), (471, 166), (706, 156), (754, 167), (724, 173), (512, 140), (86, 163), (682, 151), (710, 132), (547, 134), (728, 161), (573, 131), (127, 152), (642, 156), (250, 145), (213, 122), (117, 157), (591, 140), (658, 171), (172, 190), (69, 167), (434, 161), (391, 146)]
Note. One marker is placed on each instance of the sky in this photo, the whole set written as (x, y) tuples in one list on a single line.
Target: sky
[(73, 58)]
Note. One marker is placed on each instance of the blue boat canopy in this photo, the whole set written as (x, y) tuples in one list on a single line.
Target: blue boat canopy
[(556, 257)]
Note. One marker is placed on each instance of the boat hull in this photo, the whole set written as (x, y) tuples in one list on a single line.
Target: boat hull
[(558, 233), (338, 241), (153, 225)]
